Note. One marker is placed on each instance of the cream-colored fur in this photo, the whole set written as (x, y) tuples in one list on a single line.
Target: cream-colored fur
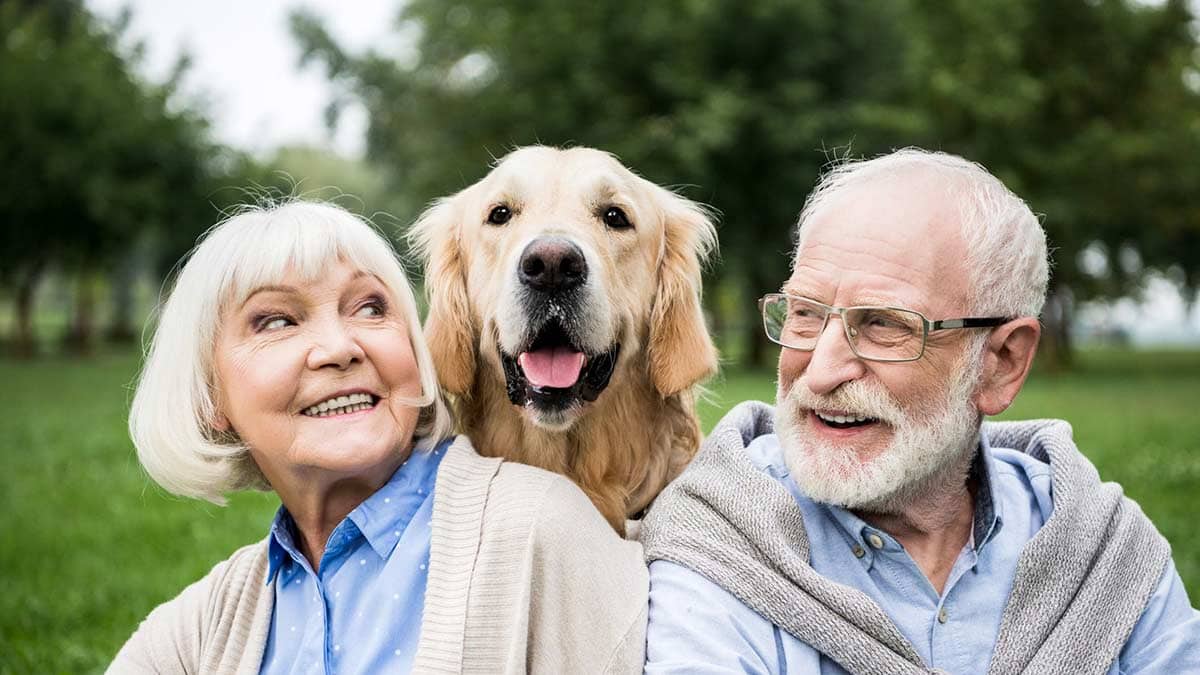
[(644, 288)]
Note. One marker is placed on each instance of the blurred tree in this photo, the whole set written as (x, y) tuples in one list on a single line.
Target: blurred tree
[(1090, 110), (356, 184), (92, 158), (745, 100)]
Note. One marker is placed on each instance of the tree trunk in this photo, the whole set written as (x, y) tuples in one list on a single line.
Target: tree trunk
[(81, 331), (24, 344), (120, 327), (756, 344), (1056, 351)]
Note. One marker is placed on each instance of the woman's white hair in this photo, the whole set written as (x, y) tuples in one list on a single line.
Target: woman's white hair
[(171, 420), (1006, 245)]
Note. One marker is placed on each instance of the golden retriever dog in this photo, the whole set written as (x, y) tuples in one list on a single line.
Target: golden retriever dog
[(565, 320)]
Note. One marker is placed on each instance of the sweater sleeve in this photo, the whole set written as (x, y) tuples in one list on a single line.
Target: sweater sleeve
[(225, 606), (168, 640), (589, 590)]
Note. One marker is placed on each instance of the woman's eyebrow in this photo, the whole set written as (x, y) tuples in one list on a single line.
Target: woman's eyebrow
[(291, 290)]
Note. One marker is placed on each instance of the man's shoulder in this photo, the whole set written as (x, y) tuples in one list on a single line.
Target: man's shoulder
[(1019, 455)]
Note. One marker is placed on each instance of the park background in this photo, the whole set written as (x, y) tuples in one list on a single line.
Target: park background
[(125, 131)]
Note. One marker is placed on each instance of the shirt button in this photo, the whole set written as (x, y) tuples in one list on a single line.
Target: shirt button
[(875, 540), (858, 551), (943, 617)]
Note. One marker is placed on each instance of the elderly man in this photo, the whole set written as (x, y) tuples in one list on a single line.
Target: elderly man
[(871, 523)]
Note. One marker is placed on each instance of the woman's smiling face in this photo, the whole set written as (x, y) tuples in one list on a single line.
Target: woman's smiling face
[(319, 375)]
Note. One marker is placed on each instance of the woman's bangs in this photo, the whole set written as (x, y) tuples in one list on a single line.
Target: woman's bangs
[(307, 248)]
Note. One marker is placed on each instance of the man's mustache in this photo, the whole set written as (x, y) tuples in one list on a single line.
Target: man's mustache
[(855, 396)]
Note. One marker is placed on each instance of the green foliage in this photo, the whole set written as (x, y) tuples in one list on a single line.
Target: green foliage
[(1083, 107), (100, 170), (88, 545), (1088, 110), (355, 184), (91, 153), (672, 88)]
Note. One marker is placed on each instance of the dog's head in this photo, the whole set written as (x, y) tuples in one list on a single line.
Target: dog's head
[(563, 270)]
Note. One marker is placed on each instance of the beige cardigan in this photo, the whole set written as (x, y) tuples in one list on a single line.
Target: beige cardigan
[(524, 576)]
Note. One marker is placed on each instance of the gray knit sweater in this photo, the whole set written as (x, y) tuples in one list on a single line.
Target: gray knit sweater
[(1081, 583)]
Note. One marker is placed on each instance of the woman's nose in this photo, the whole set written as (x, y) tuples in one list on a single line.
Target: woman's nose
[(334, 346)]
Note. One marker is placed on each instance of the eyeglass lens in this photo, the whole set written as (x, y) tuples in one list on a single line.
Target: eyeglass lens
[(874, 332)]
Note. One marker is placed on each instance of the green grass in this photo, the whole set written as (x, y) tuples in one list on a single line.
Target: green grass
[(88, 545)]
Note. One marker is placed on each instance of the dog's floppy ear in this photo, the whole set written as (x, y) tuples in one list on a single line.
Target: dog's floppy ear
[(448, 328), (680, 350)]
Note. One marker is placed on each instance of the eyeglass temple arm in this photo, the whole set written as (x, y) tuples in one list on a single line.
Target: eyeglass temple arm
[(987, 322)]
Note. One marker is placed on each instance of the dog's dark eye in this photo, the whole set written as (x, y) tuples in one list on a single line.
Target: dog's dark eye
[(500, 215), (616, 218)]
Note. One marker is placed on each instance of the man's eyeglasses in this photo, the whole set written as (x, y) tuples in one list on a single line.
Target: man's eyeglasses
[(875, 333)]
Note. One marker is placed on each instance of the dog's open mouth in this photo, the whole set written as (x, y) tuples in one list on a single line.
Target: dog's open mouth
[(552, 373)]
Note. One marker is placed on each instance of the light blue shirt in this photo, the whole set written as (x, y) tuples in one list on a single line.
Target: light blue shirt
[(695, 626), (362, 612)]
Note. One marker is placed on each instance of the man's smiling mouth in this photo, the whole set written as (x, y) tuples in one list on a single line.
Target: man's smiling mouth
[(342, 405), (842, 419)]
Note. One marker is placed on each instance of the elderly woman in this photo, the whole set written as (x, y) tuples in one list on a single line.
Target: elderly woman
[(289, 357)]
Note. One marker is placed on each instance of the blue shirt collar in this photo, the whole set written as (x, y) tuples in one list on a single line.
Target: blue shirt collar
[(282, 546), (987, 509), (381, 518)]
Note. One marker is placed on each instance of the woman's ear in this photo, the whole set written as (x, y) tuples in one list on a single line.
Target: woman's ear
[(1007, 360), (681, 353), (449, 328)]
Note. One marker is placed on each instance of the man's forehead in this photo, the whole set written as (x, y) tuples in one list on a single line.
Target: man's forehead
[(893, 208), (899, 233)]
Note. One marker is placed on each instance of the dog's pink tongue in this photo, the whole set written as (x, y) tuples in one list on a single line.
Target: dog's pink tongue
[(552, 367)]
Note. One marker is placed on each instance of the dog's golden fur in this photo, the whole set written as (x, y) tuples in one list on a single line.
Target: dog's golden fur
[(624, 447)]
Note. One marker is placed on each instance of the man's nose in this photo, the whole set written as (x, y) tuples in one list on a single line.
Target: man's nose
[(832, 362), (334, 345)]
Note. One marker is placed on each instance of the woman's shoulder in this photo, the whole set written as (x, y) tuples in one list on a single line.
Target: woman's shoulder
[(175, 631), (245, 569)]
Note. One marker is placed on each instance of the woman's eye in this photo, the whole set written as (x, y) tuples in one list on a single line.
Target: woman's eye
[(272, 322), (373, 307)]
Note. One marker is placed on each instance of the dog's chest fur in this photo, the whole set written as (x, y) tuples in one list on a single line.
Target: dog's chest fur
[(622, 452)]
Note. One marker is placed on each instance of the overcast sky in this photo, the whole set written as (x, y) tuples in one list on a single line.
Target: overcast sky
[(246, 63)]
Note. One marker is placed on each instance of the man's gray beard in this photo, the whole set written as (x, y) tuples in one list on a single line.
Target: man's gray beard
[(929, 452)]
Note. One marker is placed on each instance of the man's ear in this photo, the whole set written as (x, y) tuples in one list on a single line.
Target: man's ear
[(1007, 361), (681, 353), (449, 328)]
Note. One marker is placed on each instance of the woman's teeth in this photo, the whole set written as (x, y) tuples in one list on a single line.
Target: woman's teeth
[(340, 405)]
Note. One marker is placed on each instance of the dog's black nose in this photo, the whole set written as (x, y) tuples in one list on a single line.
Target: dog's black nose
[(551, 264)]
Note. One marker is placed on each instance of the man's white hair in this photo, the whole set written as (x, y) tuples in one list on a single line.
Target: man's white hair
[(171, 419), (1006, 245)]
